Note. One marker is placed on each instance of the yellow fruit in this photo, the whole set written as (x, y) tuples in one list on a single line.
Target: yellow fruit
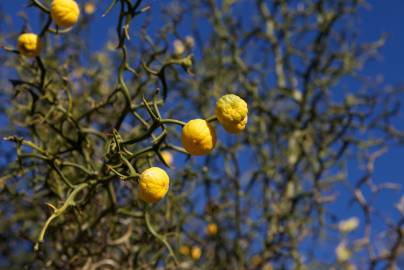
[(232, 113), (89, 8), (184, 250), (198, 137), (153, 184), (211, 229), (196, 252), (168, 157), (29, 44), (65, 13)]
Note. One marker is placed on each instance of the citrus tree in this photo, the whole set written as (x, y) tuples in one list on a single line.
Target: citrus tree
[(196, 134)]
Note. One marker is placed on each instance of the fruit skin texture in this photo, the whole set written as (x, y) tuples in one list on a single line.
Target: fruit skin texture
[(232, 113), (153, 184), (65, 13), (198, 137), (29, 44)]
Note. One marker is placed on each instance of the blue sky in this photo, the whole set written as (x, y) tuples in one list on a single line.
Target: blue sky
[(387, 17)]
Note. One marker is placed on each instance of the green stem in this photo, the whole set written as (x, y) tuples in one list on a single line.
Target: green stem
[(178, 149), (40, 6), (109, 8), (127, 212), (143, 136), (43, 73), (149, 109), (141, 152), (129, 165), (59, 211), (212, 118), (82, 168), (158, 236), (121, 79), (172, 121)]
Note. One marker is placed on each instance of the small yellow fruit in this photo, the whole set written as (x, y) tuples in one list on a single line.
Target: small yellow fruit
[(196, 252), (211, 229), (89, 8), (232, 113), (153, 184), (168, 157), (198, 137), (65, 13), (29, 44), (184, 250)]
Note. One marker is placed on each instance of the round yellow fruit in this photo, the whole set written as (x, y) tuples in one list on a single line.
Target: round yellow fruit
[(184, 250), (153, 184), (198, 137), (29, 44), (89, 8), (232, 113), (211, 229), (196, 252), (65, 13)]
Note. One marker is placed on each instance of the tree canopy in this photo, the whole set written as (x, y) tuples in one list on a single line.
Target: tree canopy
[(84, 119)]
